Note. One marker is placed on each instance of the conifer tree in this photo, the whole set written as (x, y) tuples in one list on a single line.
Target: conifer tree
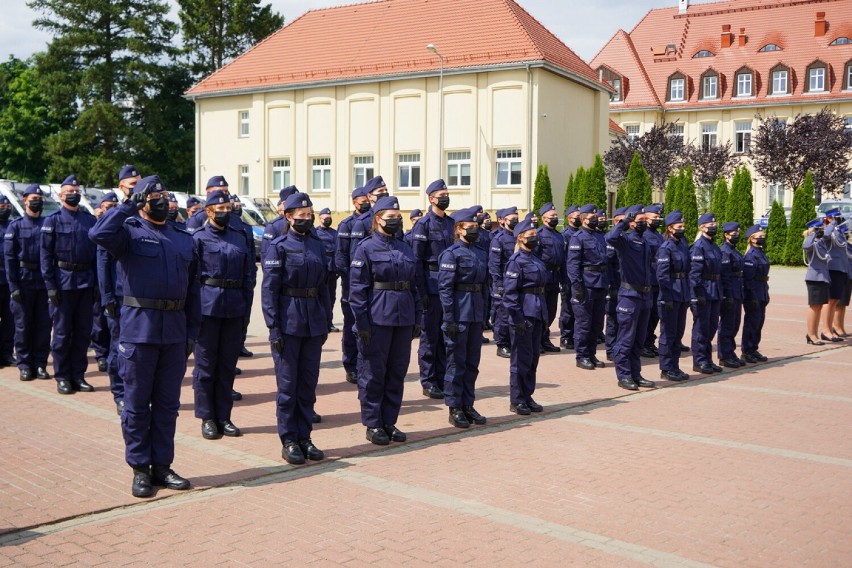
[(740, 203), (570, 193), (804, 210), (672, 190), (638, 183), (543, 191), (597, 183), (688, 203), (720, 197), (776, 234)]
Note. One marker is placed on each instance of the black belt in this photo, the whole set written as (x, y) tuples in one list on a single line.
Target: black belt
[(221, 283), (330, 253), (532, 290), (468, 287), (642, 289), (300, 292), (149, 304), (595, 268), (680, 275), (398, 286), (762, 278), (73, 266), (30, 265), (737, 274), (432, 267), (711, 277)]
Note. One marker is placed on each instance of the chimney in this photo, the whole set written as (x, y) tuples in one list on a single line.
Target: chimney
[(820, 25), (727, 36), (683, 6), (743, 38)]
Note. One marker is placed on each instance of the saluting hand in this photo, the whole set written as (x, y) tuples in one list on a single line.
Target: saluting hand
[(138, 199)]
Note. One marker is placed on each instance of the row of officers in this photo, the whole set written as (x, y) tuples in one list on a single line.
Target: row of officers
[(169, 290)]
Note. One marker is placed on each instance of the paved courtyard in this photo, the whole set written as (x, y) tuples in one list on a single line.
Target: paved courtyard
[(751, 467)]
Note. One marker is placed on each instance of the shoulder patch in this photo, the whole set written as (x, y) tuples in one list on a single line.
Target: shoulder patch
[(421, 237), (511, 274), (272, 262), (358, 263), (448, 266)]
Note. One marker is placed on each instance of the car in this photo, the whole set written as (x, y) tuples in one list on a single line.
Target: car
[(845, 206), (13, 191), (764, 220)]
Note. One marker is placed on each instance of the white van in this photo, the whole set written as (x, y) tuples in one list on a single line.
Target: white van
[(14, 190)]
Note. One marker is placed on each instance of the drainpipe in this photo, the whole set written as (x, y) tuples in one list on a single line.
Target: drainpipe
[(530, 139)]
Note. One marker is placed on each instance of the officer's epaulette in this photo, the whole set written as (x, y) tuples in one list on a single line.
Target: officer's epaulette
[(133, 222), (278, 239), (182, 230)]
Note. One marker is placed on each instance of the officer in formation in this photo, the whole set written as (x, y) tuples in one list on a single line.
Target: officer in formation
[(817, 277), (193, 205), (705, 282), (279, 225), (328, 235), (483, 219), (414, 217), (672, 271), (375, 189), (840, 314), (613, 274), (731, 307), (68, 268), (551, 251), (174, 210), (755, 294), (655, 240), (7, 323), (295, 307), (838, 265), (159, 323), (101, 334), (236, 220), (384, 281), (502, 247), (227, 273), (566, 312), (462, 291), (215, 183)]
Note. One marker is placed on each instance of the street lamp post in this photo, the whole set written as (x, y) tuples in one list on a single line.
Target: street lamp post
[(434, 49)]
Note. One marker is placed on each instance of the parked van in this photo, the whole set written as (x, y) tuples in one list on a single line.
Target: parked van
[(845, 206), (14, 190)]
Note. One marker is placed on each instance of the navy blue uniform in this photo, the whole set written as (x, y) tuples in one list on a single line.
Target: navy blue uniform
[(7, 323), (586, 267), (23, 272), (112, 299), (329, 238), (236, 222), (755, 297), (524, 282), (227, 272), (502, 247), (483, 243), (342, 259), (462, 290), (566, 312), (161, 312), (672, 272), (613, 274), (384, 280), (704, 279), (295, 307), (654, 240), (68, 266), (730, 310), (272, 231), (551, 251)]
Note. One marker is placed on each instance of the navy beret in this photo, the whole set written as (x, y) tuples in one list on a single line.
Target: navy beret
[(235, 198), (4, 200), (374, 184), (216, 197), (501, 213), (730, 226), (524, 225), (298, 200), (486, 215), (601, 213), (636, 209), (571, 209), (588, 208), (325, 211), (753, 230), (193, 201), (545, 208), (658, 209), (33, 189), (109, 197), (359, 192), (70, 180), (217, 181), (415, 213), (674, 217), (814, 223), (128, 171), (436, 185), (149, 185), (620, 211), (172, 197), (386, 203), (466, 215), (283, 194), (707, 218)]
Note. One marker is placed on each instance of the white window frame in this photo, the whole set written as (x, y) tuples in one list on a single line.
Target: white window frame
[(744, 79), (816, 74), (775, 191), (677, 132), (742, 137), (709, 138), (849, 76), (509, 165), (457, 163), (407, 168), (363, 169), (780, 81), (633, 131), (677, 89), (245, 124), (710, 87), (244, 179), (616, 84), (281, 174), (321, 166)]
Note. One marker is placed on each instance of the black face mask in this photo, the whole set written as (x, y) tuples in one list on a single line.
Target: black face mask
[(711, 231), (378, 196), (5, 214), (486, 224), (364, 207), (553, 222), (302, 225), (443, 202), (593, 223), (512, 224), (36, 206), (326, 222), (760, 241), (819, 234), (158, 209), (576, 222), (679, 233), (392, 226), (173, 214), (73, 199), (734, 239), (532, 242), (471, 235), (656, 224), (222, 218), (641, 226)]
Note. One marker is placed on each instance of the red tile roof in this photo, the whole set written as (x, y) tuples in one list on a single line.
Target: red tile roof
[(389, 38), (614, 128), (787, 23)]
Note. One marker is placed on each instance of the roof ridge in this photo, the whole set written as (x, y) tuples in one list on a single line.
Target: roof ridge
[(641, 65), (604, 46), (511, 5), (348, 5)]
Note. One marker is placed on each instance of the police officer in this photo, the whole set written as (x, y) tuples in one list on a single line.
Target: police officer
[(672, 271), (101, 335), (295, 307), (193, 205), (342, 260), (551, 251), (613, 274), (730, 309), (174, 211), (462, 291), (7, 324), (414, 217), (654, 240), (502, 247), (838, 264), (566, 312), (159, 324), (213, 184), (26, 287), (817, 278), (279, 225), (526, 309), (586, 263), (484, 243), (384, 280), (704, 280), (328, 235), (839, 327), (68, 268), (432, 236), (236, 220), (755, 294), (375, 189), (634, 296)]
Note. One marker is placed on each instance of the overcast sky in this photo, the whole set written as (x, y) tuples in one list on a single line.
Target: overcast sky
[(584, 25)]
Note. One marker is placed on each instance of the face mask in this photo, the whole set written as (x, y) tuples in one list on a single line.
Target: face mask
[(553, 222), (819, 234), (5, 214), (302, 225), (392, 226), (679, 233), (711, 231), (760, 241), (532, 242), (576, 222), (72, 199), (36, 206), (158, 209), (378, 196), (593, 222), (486, 224), (173, 214), (640, 227), (656, 224), (471, 235), (222, 218), (734, 239), (326, 222), (443, 202), (512, 224), (364, 207), (237, 211)]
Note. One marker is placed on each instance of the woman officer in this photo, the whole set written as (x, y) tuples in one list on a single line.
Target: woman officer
[(731, 307), (756, 294), (704, 275), (383, 294), (295, 306), (463, 269), (526, 310), (672, 273), (817, 276)]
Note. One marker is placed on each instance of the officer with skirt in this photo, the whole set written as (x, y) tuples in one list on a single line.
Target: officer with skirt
[(674, 295), (731, 308), (704, 280), (295, 307), (755, 294), (462, 290), (384, 280)]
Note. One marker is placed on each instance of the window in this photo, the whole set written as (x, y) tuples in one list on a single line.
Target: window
[(841, 41), (779, 81), (632, 131), (816, 79), (280, 174), (770, 47), (847, 190), (321, 174), (847, 120), (744, 83), (709, 135), (775, 193), (408, 171), (362, 170), (616, 84), (710, 87), (703, 53), (458, 169), (244, 124), (607, 75), (676, 135), (244, 180), (742, 137), (676, 88), (849, 75), (508, 168)]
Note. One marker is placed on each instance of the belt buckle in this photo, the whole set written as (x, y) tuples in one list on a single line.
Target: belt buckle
[(171, 305)]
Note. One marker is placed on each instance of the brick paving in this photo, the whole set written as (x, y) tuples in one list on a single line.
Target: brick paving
[(748, 468)]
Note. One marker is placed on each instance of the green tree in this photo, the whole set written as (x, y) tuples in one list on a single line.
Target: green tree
[(542, 192), (597, 183), (620, 196), (672, 190), (776, 234), (570, 193), (804, 210), (740, 203), (638, 182), (720, 198), (687, 202), (581, 188)]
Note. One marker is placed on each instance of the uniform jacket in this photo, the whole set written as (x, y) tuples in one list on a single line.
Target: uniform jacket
[(634, 256), (22, 246), (673, 264), (224, 255), (524, 270), (586, 261), (755, 276), (816, 256), (837, 259), (328, 236), (65, 238), (272, 231), (551, 251), (654, 240), (463, 264), (732, 273), (502, 247), (432, 236), (705, 269)]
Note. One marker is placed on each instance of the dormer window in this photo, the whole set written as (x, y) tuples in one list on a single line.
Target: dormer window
[(817, 74), (779, 83), (745, 82), (703, 53), (609, 76), (847, 76), (709, 85), (841, 41), (769, 47), (677, 88)]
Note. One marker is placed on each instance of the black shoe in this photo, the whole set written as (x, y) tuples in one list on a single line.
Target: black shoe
[(42, 374), (684, 349), (316, 418), (352, 377), (238, 371), (716, 368), (567, 344), (628, 384), (750, 358), (549, 347), (229, 429), (165, 476), (83, 386), (378, 436), (245, 352), (760, 357), (597, 362), (141, 482), (26, 375), (395, 433), (521, 408), (831, 339), (504, 352), (102, 366), (209, 430), (310, 451), (473, 416), (485, 340), (534, 406), (647, 353), (643, 382), (332, 329), (732, 363), (433, 392), (64, 387), (703, 369), (236, 395), (292, 453), (458, 419), (119, 407), (675, 376), (586, 364)]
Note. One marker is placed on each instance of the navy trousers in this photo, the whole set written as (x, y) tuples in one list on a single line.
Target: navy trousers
[(332, 294), (730, 316), (566, 316), (653, 320), (7, 324), (382, 366), (501, 324), (611, 327), (632, 313), (297, 373), (348, 343), (523, 364), (705, 321), (463, 356), (432, 355), (755, 315), (72, 330), (32, 329), (588, 322), (116, 385), (551, 299), (216, 352), (672, 328), (152, 376), (100, 330)]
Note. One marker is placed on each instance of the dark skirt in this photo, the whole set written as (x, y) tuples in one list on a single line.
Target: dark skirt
[(844, 301), (817, 292), (837, 289)]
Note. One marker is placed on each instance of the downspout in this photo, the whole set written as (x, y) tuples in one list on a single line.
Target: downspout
[(530, 139)]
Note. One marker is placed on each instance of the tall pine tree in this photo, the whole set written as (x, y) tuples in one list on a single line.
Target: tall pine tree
[(776, 234), (638, 183), (621, 196), (581, 187), (804, 210), (597, 183), (543, 192), (672, 190), (687, 202), (570, 193), (740, 203), (720, 198)]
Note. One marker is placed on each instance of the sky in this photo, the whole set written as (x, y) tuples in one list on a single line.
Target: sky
[(583, 25)]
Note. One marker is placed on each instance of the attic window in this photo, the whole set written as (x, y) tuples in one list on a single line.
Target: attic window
[(703, 53), (770, 47), (841, 41)]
